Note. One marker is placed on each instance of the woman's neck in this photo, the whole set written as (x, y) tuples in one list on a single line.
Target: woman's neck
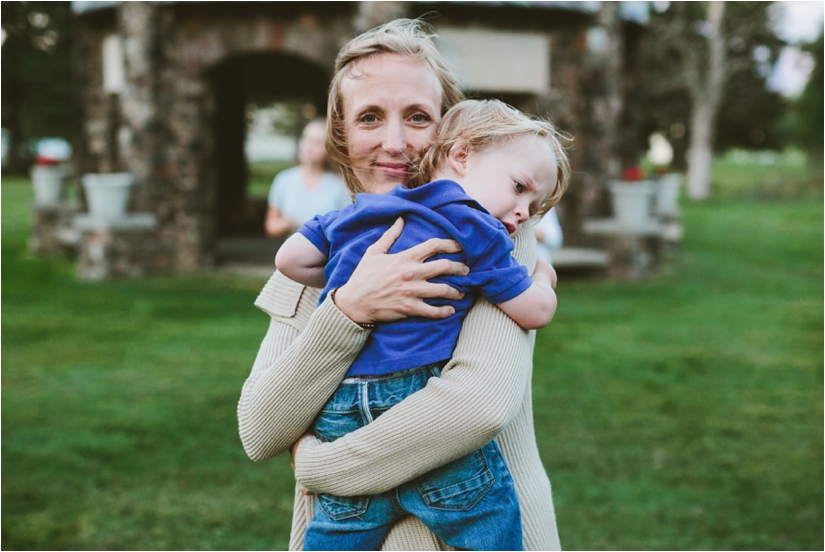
[(312, 175)]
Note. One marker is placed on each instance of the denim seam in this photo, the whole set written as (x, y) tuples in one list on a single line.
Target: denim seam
[(365, 402)]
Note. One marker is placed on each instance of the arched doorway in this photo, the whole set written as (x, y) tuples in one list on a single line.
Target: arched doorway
[(238, 82)]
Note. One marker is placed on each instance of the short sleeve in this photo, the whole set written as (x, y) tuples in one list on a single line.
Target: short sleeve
[(496, 274), (313, 230)]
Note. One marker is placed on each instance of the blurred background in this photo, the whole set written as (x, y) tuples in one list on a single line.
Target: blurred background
[(678, 394)]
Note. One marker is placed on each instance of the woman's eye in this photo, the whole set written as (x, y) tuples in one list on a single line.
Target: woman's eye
[(420, 118), (368, 118)]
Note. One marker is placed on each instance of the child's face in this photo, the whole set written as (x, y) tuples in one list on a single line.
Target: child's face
[(510, 180)]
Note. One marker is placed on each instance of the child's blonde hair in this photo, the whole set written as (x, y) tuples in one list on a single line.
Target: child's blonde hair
[(485, 123)]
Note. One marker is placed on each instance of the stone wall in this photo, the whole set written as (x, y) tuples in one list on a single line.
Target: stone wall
[(178, 124), (161, 127)]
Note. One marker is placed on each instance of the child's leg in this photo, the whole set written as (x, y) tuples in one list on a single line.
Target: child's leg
[(471, 503), (360, 522), (350, 523), (347, 522)]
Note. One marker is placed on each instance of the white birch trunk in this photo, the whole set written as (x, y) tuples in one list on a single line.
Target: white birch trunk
[(700, 154), (706, 99)]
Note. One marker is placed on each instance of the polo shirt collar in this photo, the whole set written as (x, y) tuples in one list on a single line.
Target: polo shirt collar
[(437, 193)]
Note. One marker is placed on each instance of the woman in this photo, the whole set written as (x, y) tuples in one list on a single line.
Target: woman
[(388, 93), (300, 193)]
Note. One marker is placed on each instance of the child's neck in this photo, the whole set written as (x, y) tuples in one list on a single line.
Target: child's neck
[(447, 173)]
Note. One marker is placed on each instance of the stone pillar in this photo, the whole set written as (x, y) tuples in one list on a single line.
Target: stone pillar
[(52, 233), (141, 149), (126, 247), (603, 89), (633, 253), (143, 136)]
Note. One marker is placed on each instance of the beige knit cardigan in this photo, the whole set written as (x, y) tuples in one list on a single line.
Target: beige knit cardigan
[(483, 393)]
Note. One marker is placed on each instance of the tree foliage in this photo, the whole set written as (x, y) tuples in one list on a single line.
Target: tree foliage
[(37, 89), (750, 114), (807, 113)]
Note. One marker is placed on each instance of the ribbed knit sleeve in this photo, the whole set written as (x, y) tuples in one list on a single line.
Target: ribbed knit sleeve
[(304, 356), (483, 392), (479, 393)]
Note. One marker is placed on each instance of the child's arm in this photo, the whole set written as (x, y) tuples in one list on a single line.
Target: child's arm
[(535, 307), (299, 260)]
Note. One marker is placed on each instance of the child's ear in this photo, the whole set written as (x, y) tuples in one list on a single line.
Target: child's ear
[(458, 155)]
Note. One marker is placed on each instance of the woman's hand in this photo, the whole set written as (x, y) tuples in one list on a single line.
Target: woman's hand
[(292, 449), (276, 224), (386, 287)]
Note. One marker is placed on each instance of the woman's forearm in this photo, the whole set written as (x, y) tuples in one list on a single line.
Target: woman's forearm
[(276, 224), (303, 357), (480, 392), (453, 415)]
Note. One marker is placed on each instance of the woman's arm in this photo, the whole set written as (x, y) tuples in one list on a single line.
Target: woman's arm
[(307, 351), (303, 357), (480, 392)]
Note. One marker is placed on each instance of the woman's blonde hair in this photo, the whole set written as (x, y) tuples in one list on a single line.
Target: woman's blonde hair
[(484, 123), (407, 37)]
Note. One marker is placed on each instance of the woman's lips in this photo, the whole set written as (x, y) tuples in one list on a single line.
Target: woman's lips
[(393, 169)]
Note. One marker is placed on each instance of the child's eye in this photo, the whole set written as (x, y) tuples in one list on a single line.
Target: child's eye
[(520, 188)]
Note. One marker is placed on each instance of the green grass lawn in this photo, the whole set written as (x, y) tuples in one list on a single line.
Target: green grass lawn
[(683, 412)]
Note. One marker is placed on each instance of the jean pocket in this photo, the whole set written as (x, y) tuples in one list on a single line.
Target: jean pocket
[(459, 485), (334, 424), (339, 508)]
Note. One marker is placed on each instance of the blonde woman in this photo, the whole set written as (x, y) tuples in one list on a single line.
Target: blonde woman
[(492, 169), (389, 91)]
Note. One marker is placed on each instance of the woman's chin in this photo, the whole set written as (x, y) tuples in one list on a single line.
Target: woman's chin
[(380, 185), (385, 186)]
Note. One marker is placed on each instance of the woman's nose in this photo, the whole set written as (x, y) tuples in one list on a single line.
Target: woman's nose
[(395, 137)]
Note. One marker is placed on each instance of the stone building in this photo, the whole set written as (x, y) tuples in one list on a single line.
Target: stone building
[(163, 89)]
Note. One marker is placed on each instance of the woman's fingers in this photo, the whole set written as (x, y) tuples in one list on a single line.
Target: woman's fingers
[(385, 287), (382, 246), (442, 267), (420, 308), (432, 246)]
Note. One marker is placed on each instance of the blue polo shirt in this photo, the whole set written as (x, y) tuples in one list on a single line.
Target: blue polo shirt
[(440, 209)]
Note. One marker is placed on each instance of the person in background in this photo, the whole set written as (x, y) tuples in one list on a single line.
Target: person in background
[(300, 193), (548, 235)]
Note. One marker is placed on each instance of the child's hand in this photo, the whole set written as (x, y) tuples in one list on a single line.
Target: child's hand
[(544, 269)]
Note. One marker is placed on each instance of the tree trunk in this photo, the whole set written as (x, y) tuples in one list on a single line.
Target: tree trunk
[(700, 153), (706, 100)]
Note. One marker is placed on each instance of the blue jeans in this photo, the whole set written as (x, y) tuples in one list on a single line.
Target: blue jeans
[(470, 503)]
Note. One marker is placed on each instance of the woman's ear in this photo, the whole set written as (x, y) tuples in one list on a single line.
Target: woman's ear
[(458, 156)]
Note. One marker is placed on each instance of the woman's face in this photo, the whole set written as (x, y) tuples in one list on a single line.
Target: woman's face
[(311, 149), (391, 108)]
